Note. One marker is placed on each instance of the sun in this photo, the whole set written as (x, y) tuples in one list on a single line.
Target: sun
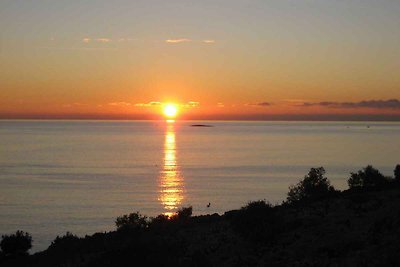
[(170, 110)]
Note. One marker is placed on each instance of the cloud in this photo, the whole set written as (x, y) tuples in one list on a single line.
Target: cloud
[(176, 41), (209, 41), (77, 48), (377, 104), (220, 105), (186, 40), (150, 104), (294, 100), (191, 104), (100, 40), (103, 40), (261, 104), (120, 104)]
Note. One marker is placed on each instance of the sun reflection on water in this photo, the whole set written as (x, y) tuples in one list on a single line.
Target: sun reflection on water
[(171, 180)]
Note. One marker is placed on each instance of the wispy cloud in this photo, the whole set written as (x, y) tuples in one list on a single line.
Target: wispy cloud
[(77, 48), (187, 40), (376, 104), (209, 41), (176, 41), (220, 105), (150, 104), (100, 40), (191, 104), (261, 104), (103, 40), (294, 100), (122, 103)]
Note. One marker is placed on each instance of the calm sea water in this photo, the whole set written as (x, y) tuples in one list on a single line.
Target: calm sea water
[(78, 176)]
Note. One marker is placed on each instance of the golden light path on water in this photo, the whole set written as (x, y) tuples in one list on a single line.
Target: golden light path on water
[(171, 179)]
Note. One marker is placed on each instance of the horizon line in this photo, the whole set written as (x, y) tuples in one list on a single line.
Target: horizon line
[(220, 117)]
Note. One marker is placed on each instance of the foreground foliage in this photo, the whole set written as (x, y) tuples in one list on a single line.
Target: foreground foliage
[(18, 243), (314, 186), (350, 228), (368, 177)]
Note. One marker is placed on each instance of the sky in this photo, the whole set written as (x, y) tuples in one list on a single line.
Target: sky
[(220, 59)]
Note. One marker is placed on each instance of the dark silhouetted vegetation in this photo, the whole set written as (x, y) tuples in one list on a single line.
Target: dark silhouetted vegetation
[(397, 172), (317, 226), (160, 219), (138, 221), (182, 214), (256, 220), (66, 239), (314, 185), (18, 243), (367, 177), (133, 221)]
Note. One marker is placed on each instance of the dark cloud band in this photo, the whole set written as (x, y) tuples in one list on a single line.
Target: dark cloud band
[(378, 104)]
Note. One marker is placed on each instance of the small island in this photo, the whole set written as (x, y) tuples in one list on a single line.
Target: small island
[(201, 125)]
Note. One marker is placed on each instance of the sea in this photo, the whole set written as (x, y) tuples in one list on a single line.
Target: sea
[(78, 176)]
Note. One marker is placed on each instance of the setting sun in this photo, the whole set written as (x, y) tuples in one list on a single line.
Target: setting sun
[(170, 110)]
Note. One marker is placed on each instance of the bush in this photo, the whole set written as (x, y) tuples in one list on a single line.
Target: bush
[(397, 172), (182, 214), (314, 185), (257, 206), (68, 238), (134, 220), (256, 221), (160, 220), (367, 177), (20, 242)]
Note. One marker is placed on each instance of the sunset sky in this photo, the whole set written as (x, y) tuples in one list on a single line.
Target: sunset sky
[(253, 59)]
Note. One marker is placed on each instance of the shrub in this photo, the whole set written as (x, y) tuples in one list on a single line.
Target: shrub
[(68, 238), (160, 219), (257, 206), (397, 172), (133, 220), (314, 185), (183, 214), (256, 220), (367, 177), (20, 242)]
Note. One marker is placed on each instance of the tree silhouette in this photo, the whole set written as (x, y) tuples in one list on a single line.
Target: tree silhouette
[(367, 177), (314, 185), (183, 214), (20, 242), (256, 221), (397, 172), (133, 220)]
